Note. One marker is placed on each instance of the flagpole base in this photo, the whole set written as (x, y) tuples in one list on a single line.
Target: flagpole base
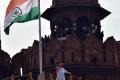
[(41, 76)]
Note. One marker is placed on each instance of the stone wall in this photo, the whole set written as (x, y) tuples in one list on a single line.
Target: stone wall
[(5, 64), (88, 54)]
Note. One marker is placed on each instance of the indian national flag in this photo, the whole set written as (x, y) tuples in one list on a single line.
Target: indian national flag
[(20, 11)]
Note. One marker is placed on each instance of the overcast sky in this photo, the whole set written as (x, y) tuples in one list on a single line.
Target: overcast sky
[(23, 35)]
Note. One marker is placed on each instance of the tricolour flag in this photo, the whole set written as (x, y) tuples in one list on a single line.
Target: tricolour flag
[(20, 11)]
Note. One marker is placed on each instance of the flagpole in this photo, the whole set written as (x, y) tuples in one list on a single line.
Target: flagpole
[(40, 46)]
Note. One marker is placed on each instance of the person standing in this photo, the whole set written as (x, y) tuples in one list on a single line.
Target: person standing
[(61, 72)]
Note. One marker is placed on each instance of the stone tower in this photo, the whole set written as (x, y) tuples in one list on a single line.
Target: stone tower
[(77, 40), (81, 17)]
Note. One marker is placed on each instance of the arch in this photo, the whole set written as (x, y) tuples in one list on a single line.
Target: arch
[(93, 49), (72, 50), (67, 24), (82, 26), (61, 27), (52, 52)]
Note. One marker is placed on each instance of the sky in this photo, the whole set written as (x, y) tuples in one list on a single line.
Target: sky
[(22, 35)]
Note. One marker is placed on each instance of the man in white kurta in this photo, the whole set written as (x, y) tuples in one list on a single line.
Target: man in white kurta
[(61, 72)]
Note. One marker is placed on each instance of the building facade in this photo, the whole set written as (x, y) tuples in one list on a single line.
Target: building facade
[(76, 40)]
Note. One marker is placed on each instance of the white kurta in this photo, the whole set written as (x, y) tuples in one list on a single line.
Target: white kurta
[(61, 74)]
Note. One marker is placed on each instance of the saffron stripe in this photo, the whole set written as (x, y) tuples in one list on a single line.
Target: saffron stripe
[(33, 14)]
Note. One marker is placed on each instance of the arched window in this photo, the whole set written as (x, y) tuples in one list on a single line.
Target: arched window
[(62, 27), (67, 22), (93, 56), (93, 59), (52, 58), (82, 26)]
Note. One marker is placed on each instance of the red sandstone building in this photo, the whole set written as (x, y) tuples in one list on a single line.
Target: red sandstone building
[(5, 65), (77, 40)]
